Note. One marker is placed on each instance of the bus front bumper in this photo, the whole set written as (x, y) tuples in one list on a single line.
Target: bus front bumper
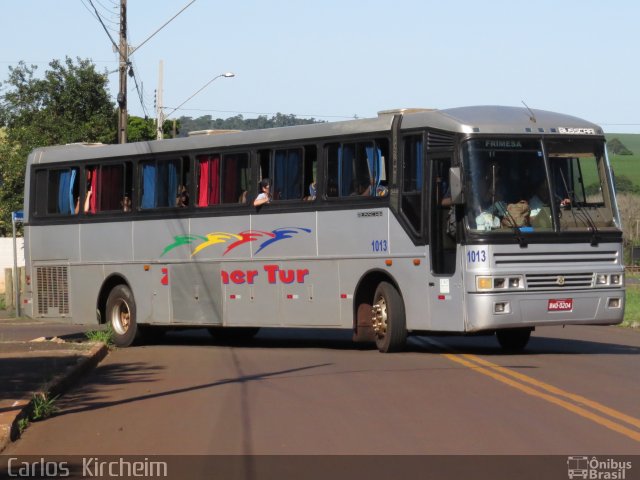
[(488, 311)]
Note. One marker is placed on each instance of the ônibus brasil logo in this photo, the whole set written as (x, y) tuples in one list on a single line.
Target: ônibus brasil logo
[(593, 468)]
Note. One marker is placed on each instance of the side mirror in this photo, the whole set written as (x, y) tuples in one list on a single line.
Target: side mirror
[(455, 185)]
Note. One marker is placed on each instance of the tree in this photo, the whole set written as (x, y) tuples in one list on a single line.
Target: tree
[(616, 147), (143, 129), (69, 104)]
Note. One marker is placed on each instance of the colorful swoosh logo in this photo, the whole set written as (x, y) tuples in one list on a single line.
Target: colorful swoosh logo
[(200, 242)]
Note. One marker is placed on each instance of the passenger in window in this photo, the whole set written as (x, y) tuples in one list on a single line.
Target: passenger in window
[(182, 200), (312, 191), (361, 188), (86, 208), (444, 192), (491, 208), (243, 197), (264, 187), (125, 203)]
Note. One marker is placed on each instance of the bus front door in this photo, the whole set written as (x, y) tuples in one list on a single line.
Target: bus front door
[(445, 278)]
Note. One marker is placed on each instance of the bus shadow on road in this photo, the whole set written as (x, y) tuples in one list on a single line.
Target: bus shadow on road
[(341, 339), (287, 338), (538, 345)]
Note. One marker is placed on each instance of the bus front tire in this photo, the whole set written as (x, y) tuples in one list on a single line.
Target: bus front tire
[(513, 339), (388, 319), (121, 316)]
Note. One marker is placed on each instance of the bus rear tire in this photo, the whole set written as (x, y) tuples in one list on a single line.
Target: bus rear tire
[(388, 319), (513, 339), (121, 316)]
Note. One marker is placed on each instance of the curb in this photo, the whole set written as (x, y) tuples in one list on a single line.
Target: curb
[(9, 421)]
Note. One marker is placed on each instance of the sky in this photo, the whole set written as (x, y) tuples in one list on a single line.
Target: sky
[(337, 59)]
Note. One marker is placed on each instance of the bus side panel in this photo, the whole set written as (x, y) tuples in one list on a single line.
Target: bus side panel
[(60, 242), (349, 233), (412, 279), (290, 235), (109, 242), (161, 240), (85, 282), (249, 298), (196, 293), (309, 293)]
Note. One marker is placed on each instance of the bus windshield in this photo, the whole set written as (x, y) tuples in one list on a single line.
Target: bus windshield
[(508, 187)]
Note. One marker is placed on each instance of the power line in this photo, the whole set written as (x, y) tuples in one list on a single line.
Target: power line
[(165, 24), (105, 27)]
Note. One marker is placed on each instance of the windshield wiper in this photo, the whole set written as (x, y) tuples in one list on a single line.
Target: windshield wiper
[(514, 226)]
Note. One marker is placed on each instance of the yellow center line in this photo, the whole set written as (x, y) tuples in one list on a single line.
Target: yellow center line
[(557, 391), (545, 396), (521, 382)]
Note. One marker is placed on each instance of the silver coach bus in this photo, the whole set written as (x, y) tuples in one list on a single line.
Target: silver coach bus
[(469, 220)]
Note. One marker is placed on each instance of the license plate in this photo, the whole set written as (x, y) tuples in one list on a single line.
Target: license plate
[(560, 305)]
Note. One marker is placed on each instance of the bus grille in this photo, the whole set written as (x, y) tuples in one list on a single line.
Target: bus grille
[(604, 257), (558, 281), (53, 291)]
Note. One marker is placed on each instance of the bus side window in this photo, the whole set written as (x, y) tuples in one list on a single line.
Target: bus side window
[(61, 187), (357, 169), (235, 177), (208, 171), (163, 181), (287, 174), (108, 188)]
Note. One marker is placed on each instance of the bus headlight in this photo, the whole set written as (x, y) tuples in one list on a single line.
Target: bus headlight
[(609, 279), (495, 283), (601, 279)]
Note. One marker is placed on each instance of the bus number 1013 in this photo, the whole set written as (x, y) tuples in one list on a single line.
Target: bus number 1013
[(379, 245), (476, 256)]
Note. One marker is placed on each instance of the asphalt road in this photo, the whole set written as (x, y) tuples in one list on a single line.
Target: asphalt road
[(574, 391)]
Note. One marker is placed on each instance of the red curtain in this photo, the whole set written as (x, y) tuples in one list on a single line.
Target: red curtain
[(94, 189), (209, 183), (203, 183)]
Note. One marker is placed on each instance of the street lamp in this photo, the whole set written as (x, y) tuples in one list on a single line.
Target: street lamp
[(225, 75)]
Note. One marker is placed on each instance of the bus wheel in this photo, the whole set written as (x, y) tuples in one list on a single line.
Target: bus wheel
[(227, 334), (513, 339), (121, 316), (388, 319)]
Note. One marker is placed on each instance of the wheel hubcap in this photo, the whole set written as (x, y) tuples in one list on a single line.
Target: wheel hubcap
[(121, 317), (379, 317)]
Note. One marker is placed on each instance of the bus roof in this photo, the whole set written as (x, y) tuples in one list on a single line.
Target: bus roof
[(493, 119), (464, 120)]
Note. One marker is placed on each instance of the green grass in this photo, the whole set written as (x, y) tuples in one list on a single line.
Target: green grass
[(42, 406), (105, 336), (632, 306), (627, 165)]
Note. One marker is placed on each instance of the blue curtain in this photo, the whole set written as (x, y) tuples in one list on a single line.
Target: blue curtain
[(376, 167), (294, 187), (72, 182), (279, 173), (346, 157), (172, 183), (288, 179), (148, 186), (160, 184), (63, 192)]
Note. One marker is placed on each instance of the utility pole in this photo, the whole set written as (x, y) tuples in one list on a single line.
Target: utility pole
[(124, 63), (159, 106)]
